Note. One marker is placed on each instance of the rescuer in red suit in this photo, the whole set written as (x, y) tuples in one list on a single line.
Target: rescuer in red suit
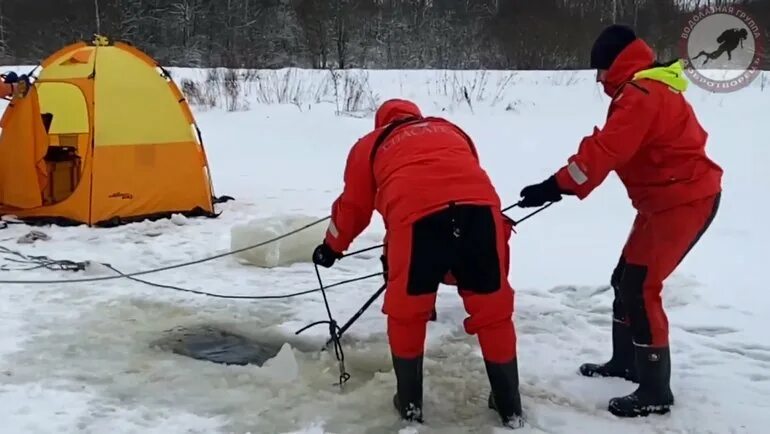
[(654, 142), (444, 224)]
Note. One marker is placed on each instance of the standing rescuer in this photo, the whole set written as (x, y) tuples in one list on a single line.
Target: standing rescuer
[(654, 142), (443, 221)]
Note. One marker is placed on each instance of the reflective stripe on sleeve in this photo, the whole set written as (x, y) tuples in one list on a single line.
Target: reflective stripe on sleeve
[(333, 229), (576, 173)]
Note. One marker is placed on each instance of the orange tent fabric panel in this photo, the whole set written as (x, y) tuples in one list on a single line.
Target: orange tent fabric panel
[(75, 208), (76, 61), (23, 145), (147, 179)]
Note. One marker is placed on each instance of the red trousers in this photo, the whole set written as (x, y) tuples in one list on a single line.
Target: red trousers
[(657, 244), (467, 245)]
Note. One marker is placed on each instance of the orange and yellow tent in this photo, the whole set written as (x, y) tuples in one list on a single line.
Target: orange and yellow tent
[(102, 137)]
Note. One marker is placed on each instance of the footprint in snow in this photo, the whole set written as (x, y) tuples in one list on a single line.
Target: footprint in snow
[(562, 289), (759, 377), (600, 321), (710, 331), (697, 364), (758, 353), (757, 347), (589, 291)]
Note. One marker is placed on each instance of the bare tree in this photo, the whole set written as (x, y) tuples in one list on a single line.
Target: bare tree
[(4, 49), (456, 34)]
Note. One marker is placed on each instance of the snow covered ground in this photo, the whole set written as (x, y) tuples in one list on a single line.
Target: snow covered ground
[(81, 357)]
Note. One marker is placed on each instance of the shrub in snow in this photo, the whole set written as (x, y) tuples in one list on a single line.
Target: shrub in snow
[(287, 86), (192, 92), (212, 88), (295, 248), (465, 88), (352, 93), (233, 90)]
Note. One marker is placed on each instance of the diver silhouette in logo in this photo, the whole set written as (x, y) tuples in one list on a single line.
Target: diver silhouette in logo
[(728, 41)]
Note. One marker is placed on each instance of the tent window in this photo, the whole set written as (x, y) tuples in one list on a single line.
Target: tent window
[(66, 105), (81, 57)]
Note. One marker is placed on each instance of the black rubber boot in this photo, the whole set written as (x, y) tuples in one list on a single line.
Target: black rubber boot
[(504, 397), (408, 397), (653, 396), (621, 364)]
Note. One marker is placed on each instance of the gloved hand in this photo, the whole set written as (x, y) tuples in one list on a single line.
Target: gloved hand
[(324, 256), (22, 85), (10, 77), (538, 194)]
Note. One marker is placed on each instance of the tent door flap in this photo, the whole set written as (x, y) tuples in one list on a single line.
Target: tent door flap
[(63, 166)]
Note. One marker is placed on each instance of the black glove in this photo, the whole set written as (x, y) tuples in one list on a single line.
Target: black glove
[(538, 194), (324, 256), (10, 77)]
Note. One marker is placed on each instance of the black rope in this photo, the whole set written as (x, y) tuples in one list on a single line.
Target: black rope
[(243, 297), (221, 255), (362, 251), (168, 267), (512, 206), (358, 314), (541, 209), (514, 222), (37, 262), (334, 332), (518, 204)]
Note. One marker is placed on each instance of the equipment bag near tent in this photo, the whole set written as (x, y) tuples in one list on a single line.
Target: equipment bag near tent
[(102, 137)]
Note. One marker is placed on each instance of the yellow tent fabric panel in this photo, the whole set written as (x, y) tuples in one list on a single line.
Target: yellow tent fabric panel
[(73, 63), (67, 104), (134, 104)]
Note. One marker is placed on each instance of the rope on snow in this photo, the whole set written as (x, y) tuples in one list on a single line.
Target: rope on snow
[(335, 332)]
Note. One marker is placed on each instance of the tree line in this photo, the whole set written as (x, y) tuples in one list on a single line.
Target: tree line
[(379, 34)]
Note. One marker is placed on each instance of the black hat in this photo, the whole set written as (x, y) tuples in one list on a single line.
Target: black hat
[(611, 41)]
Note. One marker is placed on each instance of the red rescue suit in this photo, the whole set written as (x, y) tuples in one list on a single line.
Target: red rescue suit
[(443, 221), (654, 142)]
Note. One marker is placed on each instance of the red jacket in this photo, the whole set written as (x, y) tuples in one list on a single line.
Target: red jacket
[(419, 168), (651, 139)]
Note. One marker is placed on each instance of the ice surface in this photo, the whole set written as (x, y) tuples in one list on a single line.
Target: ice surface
[(294, 249), (78, 358)]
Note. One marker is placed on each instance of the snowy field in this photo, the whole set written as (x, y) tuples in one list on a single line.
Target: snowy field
[(80, 357)]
